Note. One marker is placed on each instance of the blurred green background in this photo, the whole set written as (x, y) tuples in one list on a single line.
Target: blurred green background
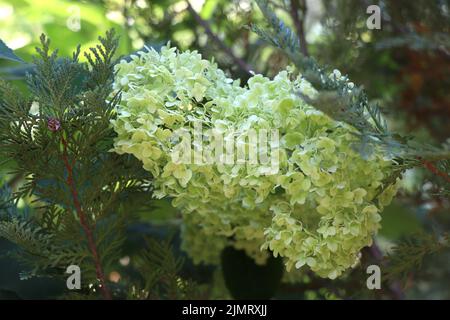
[(405, 66)]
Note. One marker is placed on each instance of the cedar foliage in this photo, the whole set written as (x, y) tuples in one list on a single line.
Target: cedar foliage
[(84, 195)]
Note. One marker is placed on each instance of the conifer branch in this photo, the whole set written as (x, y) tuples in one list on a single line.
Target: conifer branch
[(85, 178), (432, 168), (84, 221), (409, 254)]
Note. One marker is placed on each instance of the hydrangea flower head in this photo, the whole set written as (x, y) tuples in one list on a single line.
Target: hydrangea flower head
[(319, 209)]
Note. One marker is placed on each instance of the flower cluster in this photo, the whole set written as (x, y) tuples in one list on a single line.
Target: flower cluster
[(321, 207)]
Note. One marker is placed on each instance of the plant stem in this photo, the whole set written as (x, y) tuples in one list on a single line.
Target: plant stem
[(431, 167), (241, 63), (299, 24), (84, 222)]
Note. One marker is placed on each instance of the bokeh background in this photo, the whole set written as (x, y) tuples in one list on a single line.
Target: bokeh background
[(405, 66)]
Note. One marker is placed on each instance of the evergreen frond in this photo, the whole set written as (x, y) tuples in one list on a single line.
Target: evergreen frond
[(409, 254), (78, 187), (160, 269)]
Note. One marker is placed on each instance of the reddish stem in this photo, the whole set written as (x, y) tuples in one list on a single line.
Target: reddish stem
[(84, 222), (431, 167)]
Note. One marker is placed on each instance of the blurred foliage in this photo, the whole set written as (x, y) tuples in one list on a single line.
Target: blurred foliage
[(407, 60), (405, 67)]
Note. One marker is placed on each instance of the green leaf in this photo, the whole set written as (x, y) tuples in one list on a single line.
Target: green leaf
[(7, 53)]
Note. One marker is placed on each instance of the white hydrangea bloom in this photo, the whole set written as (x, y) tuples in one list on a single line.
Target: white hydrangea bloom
[(317, 211)]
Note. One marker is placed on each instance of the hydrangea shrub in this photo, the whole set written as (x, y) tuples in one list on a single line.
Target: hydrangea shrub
[(321, 207)]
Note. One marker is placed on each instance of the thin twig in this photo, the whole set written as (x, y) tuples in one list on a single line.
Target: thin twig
[(432, 168), (298, 22), (83, 221), (241, 63)]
